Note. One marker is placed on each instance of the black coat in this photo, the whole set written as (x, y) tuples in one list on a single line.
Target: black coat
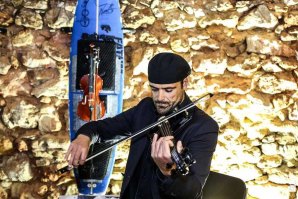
[(199, 136)]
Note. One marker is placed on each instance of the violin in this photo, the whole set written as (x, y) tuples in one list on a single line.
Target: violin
[(182, 160), (91, 108)]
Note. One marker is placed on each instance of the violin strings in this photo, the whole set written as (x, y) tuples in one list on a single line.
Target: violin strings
[(165, 130)]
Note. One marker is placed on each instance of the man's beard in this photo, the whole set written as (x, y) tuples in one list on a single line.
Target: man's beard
[(163, 107)]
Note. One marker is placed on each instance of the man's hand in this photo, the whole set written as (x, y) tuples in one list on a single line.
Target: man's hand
[(78, 151), (161, 153)]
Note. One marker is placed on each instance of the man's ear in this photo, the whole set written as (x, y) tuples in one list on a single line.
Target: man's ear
[(185, 83)]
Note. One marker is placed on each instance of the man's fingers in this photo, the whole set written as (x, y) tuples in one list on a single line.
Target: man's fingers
[(68, 153), (77, 155), (83, 157), (168, 138), (72, 157), (157, 147), (166, 148), (78, 151), (153, 148), (179, 146), (161, 149)]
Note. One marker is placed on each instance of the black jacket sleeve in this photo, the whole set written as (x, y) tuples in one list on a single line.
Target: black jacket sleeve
[(108, 128), (122, 124)]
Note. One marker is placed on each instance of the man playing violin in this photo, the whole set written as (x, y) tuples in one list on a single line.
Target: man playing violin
[(150, 171)]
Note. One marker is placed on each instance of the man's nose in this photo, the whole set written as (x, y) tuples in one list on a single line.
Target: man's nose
[(160, 95)]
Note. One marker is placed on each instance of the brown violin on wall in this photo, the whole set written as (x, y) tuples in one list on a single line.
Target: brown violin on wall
[(91, 108)]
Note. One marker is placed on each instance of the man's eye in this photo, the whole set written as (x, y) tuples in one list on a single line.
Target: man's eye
[(168, 90)]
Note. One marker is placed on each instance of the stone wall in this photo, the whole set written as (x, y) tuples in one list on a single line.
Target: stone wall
[(244, 52)]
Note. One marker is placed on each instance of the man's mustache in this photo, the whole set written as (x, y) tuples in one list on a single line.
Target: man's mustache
[(161, 103)]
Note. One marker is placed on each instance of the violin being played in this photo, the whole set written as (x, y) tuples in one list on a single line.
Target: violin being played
[(172, 141), (182, 160)]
